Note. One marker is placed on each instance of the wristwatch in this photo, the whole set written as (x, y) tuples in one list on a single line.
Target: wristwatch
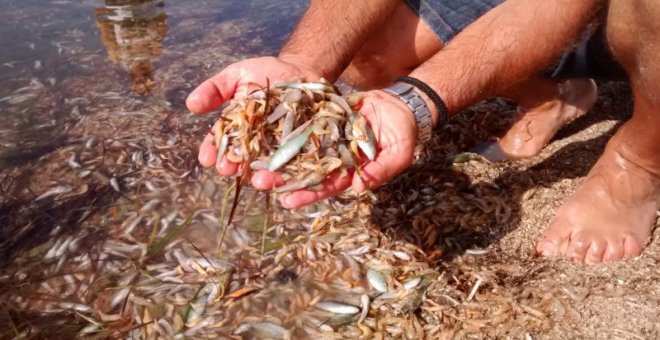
[(408, 94)]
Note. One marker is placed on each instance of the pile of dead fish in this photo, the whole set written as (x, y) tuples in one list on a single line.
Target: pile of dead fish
[(302, 130)]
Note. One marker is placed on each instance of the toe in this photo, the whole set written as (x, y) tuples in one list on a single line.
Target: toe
[(631, 246), (596, 251), (555, 239), (614, 251), (578, 247), (548, 247)]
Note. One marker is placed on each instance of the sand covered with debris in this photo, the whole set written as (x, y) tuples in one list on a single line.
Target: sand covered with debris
[(111, 229)]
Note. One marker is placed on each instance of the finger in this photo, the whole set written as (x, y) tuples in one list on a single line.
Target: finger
[(226, 167), (207, 152), (266, 180), (208, 156), (388, 163), (334, 184), (213, 92)]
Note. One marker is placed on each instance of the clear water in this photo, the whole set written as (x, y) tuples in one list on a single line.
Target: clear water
[(56, 52), (104, 205)]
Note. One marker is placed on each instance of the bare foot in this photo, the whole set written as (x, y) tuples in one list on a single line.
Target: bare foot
[(609, 217), (545, 107)]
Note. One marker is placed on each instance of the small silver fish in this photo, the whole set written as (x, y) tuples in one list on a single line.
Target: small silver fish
[(412, 282), (222, 149), (339, 100), (304, 86), (300, 129), (337, 308), (264, 330), (377, 280), (311, 180), (259, 164), (287, 151), (289, 119), (364, 136)]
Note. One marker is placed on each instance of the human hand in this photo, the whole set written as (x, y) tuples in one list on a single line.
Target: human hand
[(237, 80), (395, 130)]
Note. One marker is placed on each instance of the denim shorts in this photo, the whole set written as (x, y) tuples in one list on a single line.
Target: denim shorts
[(447, 18), (589, 57)]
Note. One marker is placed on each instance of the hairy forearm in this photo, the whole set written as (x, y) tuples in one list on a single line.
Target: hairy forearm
[(509, 44), (331, 32)]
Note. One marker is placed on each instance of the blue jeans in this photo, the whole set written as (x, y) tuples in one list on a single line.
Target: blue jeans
[(590, 57), (447, 18)]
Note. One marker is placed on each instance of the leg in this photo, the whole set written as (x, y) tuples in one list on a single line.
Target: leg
[(612, 213), (407, 41), (545, 106), (409, 38), (404, 43)]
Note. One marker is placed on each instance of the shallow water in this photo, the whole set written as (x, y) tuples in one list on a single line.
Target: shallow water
[(55, 52), (110, 226), (110, 229)]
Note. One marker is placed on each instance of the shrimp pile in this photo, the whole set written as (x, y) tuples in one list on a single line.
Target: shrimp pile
[(301, 130)]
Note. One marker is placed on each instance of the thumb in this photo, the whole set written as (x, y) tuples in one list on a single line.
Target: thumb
[(389, 162), (213, 92)]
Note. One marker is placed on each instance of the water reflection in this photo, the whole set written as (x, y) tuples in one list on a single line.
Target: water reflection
[(132, 31)]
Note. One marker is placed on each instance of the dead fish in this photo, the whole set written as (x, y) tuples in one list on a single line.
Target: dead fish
[(337, 308), (412, 282), (460, 158), (363, 135), (63, 189), (264, 329), (280, 111), (338, 320), (259, 164), (119, 297), (287, 151), (289, 119), (296, 132), (72, 162), (310, 180), (115, 184), (364, 300), (222, 147), (324, 87), (377, 280)]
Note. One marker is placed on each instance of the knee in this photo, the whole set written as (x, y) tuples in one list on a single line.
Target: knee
[(631, 26)]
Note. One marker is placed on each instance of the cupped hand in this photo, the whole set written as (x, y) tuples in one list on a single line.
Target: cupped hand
[(392, 122), (236, 81), (395, 130)]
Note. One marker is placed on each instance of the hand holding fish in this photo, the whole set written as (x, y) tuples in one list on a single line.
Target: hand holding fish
[(304, 140), (395, 130), (235, 81)]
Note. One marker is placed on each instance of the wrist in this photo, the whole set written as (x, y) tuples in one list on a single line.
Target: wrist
[(415, 104), (435, 114), (435, 105), (307, 67)]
